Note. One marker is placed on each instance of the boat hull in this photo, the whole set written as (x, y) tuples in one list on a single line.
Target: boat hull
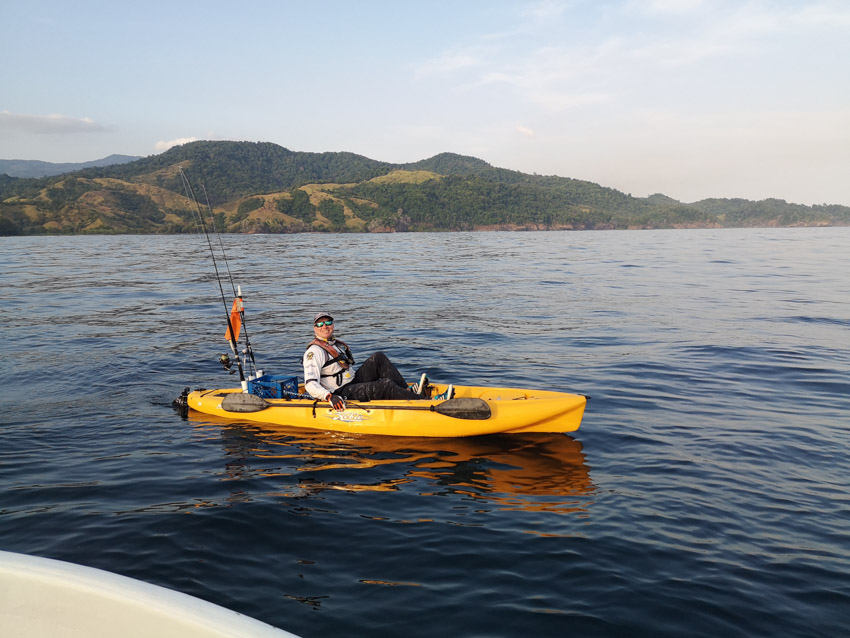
[(512, 410), (42, 597)]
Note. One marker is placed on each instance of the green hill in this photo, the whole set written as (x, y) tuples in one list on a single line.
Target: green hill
[(266, 188)]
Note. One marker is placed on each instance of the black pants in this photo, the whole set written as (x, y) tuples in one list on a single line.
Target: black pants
[(377, 379)]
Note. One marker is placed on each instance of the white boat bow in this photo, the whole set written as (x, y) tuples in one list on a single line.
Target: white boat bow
[(42, 597)]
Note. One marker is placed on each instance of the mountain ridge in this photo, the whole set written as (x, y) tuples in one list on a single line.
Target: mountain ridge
[(38, 168), (261, 187)]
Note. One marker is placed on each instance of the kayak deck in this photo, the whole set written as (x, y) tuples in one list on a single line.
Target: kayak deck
[(507, 410)]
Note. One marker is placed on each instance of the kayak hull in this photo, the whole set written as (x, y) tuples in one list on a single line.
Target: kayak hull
[(511, 410)]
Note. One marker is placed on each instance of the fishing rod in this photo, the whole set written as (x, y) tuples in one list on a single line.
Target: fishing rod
[(237, 291), (235, 316)]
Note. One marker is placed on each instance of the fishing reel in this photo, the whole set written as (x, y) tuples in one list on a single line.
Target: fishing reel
[(227, 362), (181, 404)]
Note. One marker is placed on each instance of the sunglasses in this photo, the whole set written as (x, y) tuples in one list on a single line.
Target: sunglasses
[(329, 322)]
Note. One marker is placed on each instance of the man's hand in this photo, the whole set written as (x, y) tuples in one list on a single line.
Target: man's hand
[(337, 402)]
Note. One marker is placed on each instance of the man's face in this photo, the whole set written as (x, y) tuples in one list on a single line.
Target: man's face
[(324, 328)]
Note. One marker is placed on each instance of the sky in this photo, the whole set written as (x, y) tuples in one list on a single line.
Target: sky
[(689, 98)]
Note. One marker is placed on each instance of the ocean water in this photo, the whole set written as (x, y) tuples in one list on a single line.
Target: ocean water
[(706, 493)]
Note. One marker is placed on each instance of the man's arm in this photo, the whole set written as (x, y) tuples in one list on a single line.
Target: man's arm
[(313, 360)]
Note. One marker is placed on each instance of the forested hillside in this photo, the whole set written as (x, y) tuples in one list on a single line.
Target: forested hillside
[(265, 188)]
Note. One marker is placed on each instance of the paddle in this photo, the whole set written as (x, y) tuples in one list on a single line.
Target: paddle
[(461, 408)]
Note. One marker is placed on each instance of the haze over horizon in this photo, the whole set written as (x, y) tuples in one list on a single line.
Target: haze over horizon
[(690, 98)]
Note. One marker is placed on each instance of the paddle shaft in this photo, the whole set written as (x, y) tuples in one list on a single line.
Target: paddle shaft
[(461, 408), (351, 404), (464, 408)]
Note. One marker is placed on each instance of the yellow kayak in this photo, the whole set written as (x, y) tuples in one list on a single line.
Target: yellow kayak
[(472, 411)]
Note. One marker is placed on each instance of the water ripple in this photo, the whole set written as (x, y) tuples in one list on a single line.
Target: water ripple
[(705, 494)]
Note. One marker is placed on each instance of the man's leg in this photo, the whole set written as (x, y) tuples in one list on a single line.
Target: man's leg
[(378, 366), (382, 389)]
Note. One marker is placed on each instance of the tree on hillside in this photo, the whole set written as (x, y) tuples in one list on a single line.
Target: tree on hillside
[(333, 211), (297, 205)]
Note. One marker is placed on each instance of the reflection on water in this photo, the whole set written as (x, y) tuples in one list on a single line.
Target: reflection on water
[(531, 472)]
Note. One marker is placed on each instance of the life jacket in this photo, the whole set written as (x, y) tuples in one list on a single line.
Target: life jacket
[(344, 358)]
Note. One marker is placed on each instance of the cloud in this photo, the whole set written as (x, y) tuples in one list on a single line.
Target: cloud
[(544, 60), (827, 16), (747, 30), (546, 10), (562, 78), (671, 6), (553, 99), (454, 60), (524, 130), (162, 146), (48, 124)]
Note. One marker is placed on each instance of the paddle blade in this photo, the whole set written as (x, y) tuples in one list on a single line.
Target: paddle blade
[(464, 408), (235, 320), (241, 402)]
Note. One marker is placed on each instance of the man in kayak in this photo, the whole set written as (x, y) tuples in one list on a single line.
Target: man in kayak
[(328, 374)]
